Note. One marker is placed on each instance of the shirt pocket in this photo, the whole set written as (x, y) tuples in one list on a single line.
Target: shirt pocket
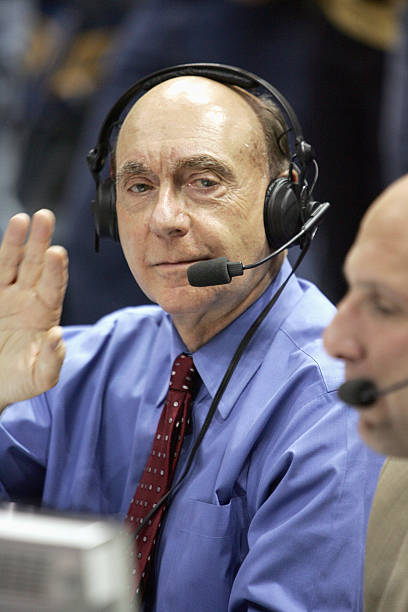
[(213, 520)]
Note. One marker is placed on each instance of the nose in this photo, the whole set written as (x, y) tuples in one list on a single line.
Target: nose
[(169, 218), (341, 337)]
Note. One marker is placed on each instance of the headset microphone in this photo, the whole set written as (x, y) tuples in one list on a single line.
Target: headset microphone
[(220, 271), (363, 392)]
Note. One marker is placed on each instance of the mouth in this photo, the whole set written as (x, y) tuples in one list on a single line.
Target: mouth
[(178, 263), (372, 420), (375, 416)]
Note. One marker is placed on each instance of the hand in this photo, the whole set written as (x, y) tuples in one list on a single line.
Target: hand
[(33, 279)]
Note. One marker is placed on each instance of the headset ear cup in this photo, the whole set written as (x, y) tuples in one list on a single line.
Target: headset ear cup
[(104, 210), (282, 212)]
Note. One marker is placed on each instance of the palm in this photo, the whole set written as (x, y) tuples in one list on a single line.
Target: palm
[(32, 285)]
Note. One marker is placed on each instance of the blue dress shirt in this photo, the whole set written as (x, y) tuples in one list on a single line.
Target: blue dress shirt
[(273, 513)]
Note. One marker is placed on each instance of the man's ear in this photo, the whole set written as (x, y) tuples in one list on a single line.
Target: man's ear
[(285, 174)]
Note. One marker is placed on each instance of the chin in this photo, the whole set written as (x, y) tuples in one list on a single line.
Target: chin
[(384, 440), (394, 449), (186, 300)]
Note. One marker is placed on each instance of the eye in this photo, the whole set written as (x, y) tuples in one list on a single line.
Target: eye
[(383, 307), (140, 187), (206, 182)]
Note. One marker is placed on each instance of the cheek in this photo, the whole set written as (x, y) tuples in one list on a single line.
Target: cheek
[(387, 352), (245, 227), (131, 236), (398, 411), (131, 223)]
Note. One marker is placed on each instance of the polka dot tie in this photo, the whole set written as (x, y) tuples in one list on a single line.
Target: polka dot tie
[(160, 467)]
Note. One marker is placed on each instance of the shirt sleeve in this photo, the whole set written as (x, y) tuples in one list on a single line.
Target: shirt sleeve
[(24, 438)]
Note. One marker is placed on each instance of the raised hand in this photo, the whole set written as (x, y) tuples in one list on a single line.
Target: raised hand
[(33, 279)]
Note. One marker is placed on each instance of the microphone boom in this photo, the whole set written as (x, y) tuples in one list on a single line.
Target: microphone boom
[(219, 271), (363, 392)]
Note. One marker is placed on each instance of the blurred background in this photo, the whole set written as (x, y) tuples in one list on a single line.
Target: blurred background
[(342, 64)]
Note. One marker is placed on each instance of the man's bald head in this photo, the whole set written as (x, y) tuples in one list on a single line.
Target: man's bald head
[(387, 217), (251, 116)]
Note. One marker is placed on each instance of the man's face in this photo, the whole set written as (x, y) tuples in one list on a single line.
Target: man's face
[(370, 330), (191, 177)]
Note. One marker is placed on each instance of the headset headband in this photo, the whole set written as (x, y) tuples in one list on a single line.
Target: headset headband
[(229, 75)]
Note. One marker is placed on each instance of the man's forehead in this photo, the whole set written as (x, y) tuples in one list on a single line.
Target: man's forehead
[(186, 114), (387, 219), (194, 95), (380, 248), (189, 92), (391, 206)]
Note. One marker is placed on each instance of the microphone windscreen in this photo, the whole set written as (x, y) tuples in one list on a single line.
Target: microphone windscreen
[(209, 272), (358, 392)]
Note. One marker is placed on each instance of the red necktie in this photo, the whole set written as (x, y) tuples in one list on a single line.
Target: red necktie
[(161, 464)]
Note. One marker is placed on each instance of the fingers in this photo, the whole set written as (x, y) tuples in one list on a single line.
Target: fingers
[(54, 277), (33, 278), (12, 248), (42, 227), (24, 261)]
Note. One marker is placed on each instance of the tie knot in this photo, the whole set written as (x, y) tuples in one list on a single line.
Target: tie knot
[(183, 373)]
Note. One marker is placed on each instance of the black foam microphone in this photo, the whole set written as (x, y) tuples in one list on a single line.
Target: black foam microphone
[(363, 392), (219, 271)]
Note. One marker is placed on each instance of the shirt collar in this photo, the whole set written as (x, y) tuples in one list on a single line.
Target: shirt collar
[(213, 359)]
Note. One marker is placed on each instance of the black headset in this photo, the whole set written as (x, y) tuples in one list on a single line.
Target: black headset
[(288, 203)]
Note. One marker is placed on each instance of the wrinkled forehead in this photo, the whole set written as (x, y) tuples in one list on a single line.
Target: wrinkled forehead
[(196, 109), (189, 99)]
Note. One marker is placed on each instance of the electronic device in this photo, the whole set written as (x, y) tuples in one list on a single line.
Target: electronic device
[(59, 563), (363, 392)]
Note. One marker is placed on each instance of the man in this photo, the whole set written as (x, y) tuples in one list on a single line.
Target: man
[(370, 329), (272, 512), (370, 333)]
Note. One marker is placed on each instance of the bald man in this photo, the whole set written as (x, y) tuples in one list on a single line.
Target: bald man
[(272, 511), (370, 333), (370, 329)]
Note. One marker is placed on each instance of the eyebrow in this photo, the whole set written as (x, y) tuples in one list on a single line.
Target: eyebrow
[(197, 162), (130, 168), (206, 162)]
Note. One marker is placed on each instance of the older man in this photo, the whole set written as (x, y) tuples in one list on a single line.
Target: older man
[(270, 506), (370, 332)]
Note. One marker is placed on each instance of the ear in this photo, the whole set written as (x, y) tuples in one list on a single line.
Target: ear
[(289, 172), (112, 168), (282, 209)]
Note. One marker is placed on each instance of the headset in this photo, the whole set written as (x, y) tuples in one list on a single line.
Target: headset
[(288, 203)]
